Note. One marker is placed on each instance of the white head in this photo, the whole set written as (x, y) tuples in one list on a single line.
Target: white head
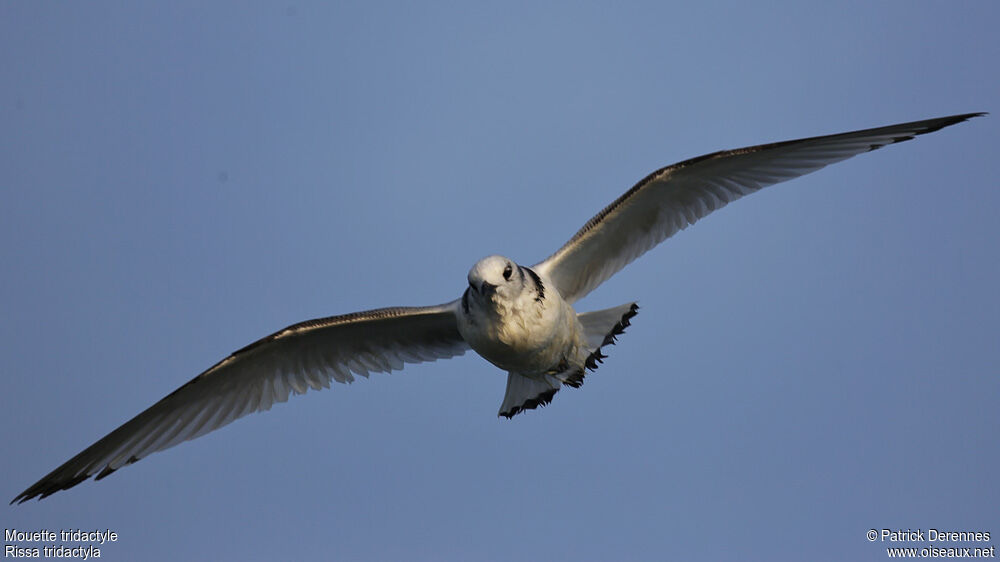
[(495, 278)]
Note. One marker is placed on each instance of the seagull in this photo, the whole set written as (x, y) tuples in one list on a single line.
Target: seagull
[(519, 318)]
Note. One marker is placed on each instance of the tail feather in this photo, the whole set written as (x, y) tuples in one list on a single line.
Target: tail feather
[(601, 328), (524, 393), (596, 328)]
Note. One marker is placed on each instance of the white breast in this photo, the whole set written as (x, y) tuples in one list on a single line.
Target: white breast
[(522, 334)]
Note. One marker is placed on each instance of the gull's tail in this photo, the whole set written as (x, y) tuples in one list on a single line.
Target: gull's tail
[(600, 328)]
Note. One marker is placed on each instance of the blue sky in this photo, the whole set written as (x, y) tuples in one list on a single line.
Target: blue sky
[(816, 360)]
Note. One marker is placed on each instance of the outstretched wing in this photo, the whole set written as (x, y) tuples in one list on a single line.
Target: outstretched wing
[(677, 196), (303, 356)]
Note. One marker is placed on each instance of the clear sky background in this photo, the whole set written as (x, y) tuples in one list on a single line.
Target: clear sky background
[(811, 362)]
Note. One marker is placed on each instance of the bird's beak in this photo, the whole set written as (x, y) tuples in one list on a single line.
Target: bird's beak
[(484, 288)]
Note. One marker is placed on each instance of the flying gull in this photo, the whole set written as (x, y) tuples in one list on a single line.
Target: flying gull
[(519, 318)]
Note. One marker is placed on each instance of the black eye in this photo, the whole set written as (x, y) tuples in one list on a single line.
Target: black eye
[(507, 271)]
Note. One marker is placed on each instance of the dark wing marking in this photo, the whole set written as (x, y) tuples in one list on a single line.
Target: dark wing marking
[(674, 197), (539, 286), (303, 356)]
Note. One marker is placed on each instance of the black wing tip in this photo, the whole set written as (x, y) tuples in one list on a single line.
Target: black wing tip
[(50, 484), (941, 122), (930, 126), (913, 129), (45, 488), (952, 119)]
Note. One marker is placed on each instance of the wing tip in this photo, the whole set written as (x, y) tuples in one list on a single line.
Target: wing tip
[(914, 129), (936, 124), (46, 487)]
